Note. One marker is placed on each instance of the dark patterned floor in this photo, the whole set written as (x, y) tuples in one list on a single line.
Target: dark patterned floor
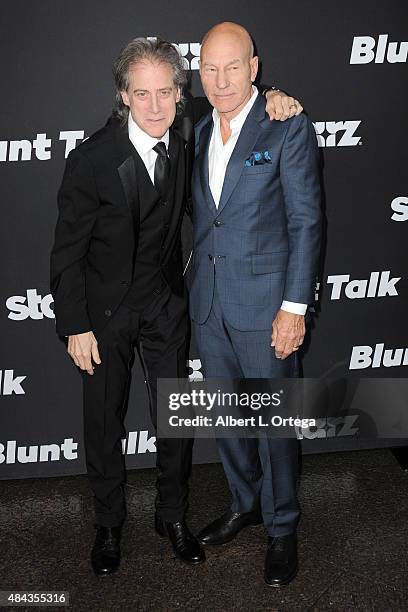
[(353, 543)]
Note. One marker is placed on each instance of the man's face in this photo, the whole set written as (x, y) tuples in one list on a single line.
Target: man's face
[(227, 72), (151, 97)]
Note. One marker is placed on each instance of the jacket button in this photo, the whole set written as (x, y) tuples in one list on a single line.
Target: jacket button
[(210, 257), (217, 223), (125, 283), (108, 313)]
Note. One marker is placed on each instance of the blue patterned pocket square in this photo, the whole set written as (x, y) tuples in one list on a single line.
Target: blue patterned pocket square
[(257, 158)]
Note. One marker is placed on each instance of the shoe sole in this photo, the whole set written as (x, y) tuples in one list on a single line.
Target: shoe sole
[(254, 524), (285, 582), (105, 574), (200, 562)]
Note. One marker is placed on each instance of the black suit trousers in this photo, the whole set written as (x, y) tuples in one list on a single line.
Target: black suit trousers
[(160, 335)]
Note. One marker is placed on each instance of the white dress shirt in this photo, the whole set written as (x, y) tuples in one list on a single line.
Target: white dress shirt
[(219, 153), (218, 157), (144, 144)]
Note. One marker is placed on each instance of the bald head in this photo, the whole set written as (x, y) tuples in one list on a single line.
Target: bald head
[(228, 68), (229, 29)]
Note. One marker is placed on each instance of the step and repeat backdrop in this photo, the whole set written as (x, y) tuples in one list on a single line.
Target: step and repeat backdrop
[(348, 66)]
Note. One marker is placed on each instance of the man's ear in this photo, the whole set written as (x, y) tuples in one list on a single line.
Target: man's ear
[(178, 95), (125, 98), (254, 63)]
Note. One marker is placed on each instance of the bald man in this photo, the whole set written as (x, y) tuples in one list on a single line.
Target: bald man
[(256, 217)]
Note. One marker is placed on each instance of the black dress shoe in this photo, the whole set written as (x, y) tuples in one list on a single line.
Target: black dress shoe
[(186, 547), (105, 555), (281, 560), (225, 528)]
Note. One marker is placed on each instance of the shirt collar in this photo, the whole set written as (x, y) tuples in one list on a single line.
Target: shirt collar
[(239, 120), (141, 140)]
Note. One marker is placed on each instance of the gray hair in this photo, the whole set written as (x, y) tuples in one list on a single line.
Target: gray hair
[(137, 50)]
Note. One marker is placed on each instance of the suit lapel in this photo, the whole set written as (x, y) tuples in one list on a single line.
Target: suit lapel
[(245, 144), (127, 173), (202, 161)]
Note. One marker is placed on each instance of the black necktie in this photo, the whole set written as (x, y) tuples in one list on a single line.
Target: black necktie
[(161, 169)]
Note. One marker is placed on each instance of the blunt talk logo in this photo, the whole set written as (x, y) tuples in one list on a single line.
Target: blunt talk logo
[(366, 49), (30, 306), (10, 384), (363, 357), (190, 53), (11, 453), (378, 285), (400, 207), (337, 133), (39, 148), (138, 442)]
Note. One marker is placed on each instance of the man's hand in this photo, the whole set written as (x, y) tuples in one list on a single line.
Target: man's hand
[(280, 106), (83, 348), (288, 332)]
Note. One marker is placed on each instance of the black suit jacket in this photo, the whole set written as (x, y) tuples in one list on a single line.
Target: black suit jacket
[(97, 230)]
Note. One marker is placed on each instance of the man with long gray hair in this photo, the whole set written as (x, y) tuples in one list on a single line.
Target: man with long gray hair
[(117, 280)]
